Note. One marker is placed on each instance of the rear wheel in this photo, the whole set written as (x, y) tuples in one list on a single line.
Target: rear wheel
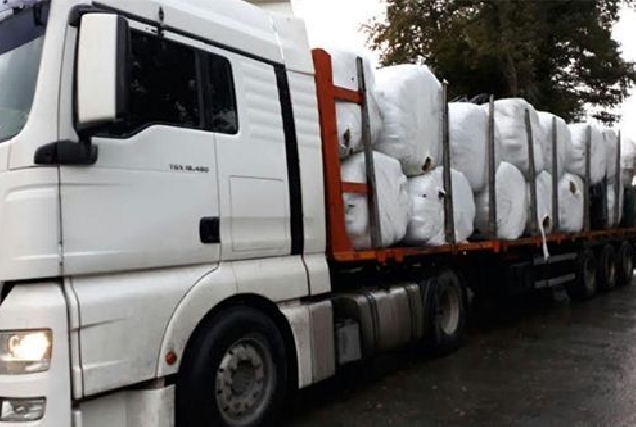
[(234, 372), (625, 264), (606, 274), (448, 313), (585, 284)]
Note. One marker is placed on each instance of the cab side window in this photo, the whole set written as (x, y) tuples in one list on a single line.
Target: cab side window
[(164, 88), (223, 115), (176, 85)]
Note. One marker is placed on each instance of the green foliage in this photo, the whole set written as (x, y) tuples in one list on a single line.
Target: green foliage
[(558, 54)]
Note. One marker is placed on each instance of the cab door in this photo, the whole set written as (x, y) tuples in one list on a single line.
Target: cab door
[(151, 200)]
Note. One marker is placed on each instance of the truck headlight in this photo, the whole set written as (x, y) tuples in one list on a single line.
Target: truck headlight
[(25, 352), (19, 410)]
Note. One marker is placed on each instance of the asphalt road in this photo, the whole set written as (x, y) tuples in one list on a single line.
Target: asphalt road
[(525, 363)]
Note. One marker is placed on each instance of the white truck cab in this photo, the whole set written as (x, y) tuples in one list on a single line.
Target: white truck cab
[(162, 214)]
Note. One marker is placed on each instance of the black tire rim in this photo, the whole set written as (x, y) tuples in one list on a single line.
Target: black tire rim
[(244, 383)]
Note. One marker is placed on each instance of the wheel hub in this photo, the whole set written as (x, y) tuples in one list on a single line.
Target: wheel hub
[(241, 383)]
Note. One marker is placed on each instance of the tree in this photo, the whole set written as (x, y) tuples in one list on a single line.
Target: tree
[(558, 54)]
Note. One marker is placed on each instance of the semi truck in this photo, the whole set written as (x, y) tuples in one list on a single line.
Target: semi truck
[(174, 250)]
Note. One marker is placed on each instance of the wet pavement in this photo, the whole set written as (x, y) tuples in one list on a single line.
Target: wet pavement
[(525, 363)]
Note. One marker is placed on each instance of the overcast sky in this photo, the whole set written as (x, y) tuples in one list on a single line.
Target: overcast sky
[(337, 23)]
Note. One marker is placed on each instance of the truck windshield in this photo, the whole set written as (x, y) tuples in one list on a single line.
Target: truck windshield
[(21, 39)]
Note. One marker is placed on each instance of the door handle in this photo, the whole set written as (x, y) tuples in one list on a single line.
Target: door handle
[(210, 230)]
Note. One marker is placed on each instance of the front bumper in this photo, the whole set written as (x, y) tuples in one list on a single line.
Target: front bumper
[(40, 306)]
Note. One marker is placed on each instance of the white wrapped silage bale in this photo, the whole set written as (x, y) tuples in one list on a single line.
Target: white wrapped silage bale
[(564, 141), (512, 211), (610, 140), (544, 202), (468, 135), (410, 101), (576, 159), (349, 115), (393, 200), (511, 124), (628, 152), (426, 224), (571, 203)]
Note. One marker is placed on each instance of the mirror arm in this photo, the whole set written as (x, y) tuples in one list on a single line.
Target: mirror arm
[(80, 10), (66, 153)]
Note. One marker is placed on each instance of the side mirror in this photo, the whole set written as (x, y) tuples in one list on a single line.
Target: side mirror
[(102, 69)]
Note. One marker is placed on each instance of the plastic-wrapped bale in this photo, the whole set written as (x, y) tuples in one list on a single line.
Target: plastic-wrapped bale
[(628, 152), (393, 201), (544, 202), (410, 101), (512, 210), (510, 120), (564, 141), (571, 203), (468, 134), (610, 139), (349, 115), (576, 157), (426, 224)]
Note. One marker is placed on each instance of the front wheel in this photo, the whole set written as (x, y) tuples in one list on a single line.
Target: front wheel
[(234, 372)]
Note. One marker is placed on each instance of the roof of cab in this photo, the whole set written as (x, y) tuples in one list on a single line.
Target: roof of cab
[(236, 24)]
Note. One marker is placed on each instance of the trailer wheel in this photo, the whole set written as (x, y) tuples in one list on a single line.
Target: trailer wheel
[(234, 372), (585, 285), (625, 264), (448, 313), (607, 268)]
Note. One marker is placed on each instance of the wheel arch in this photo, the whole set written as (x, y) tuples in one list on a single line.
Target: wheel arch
[(269, 309), (194, 310)]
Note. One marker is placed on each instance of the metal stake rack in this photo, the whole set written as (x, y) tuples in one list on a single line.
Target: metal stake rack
[(492, 172), (449, 214), (532, 177), (587, 179), (618, 185), (555, 177), (367, 144)]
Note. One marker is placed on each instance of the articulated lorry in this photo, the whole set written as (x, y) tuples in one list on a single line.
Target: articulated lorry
[(173, 245)]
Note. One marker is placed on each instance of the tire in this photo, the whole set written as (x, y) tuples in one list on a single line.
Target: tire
[(448, 314), (625, 264), (234, 372), (606, 273), (585, 285)]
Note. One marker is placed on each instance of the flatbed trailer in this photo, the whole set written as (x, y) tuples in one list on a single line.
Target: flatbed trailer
[(571, 254)]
